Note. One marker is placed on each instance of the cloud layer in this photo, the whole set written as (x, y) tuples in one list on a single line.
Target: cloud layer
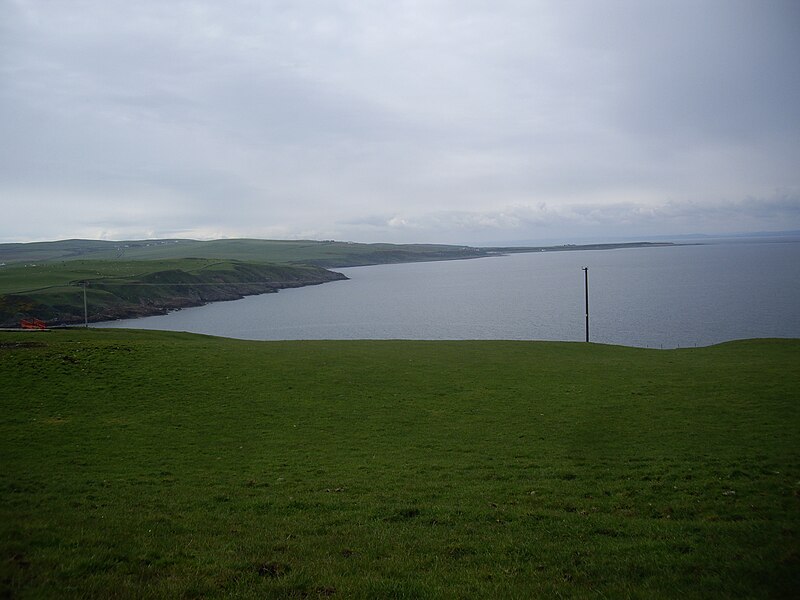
[(436, 120)]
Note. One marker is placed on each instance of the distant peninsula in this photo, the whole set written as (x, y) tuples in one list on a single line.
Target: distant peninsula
[(69, 281)]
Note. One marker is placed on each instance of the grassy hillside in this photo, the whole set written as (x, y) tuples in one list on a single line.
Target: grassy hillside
[(124, 288), (141, 464), (319, 253)]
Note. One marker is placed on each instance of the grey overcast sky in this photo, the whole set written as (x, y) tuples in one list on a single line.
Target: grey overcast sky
[(453, 121)]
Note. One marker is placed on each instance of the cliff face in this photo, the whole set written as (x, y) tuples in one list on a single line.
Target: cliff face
[(157, 292)]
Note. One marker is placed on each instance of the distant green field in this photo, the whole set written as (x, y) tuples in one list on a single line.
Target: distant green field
[(18, 278), (319, 253), (325, 253), (153, 464)]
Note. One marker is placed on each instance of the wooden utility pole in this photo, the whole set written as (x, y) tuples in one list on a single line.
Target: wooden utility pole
[(85, 311), (586, 293)]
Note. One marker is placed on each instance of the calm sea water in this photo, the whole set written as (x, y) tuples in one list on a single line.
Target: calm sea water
[(655, 297)]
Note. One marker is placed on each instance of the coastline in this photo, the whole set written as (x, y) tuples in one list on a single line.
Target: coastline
[(158, 292)]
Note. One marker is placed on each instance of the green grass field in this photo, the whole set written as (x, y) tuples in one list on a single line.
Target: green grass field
[(321, 253), (18, 278), (145, 464)]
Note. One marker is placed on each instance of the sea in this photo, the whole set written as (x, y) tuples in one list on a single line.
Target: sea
[(656, 297)]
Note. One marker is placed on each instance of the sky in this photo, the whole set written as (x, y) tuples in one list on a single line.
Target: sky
[(442, 121)]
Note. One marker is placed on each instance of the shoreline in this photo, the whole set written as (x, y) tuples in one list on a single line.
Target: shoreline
[(155, 293), (110, 299), (491, 252)]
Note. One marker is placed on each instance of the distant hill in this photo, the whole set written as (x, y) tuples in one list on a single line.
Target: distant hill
[(318, 253), (327, 253)]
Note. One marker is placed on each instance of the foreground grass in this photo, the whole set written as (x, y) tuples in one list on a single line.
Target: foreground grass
[(158, 464)]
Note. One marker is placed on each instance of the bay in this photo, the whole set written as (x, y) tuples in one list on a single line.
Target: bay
[(663, 297)]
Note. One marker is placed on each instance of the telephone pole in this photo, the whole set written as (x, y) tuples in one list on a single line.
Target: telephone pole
[(586, 293)]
